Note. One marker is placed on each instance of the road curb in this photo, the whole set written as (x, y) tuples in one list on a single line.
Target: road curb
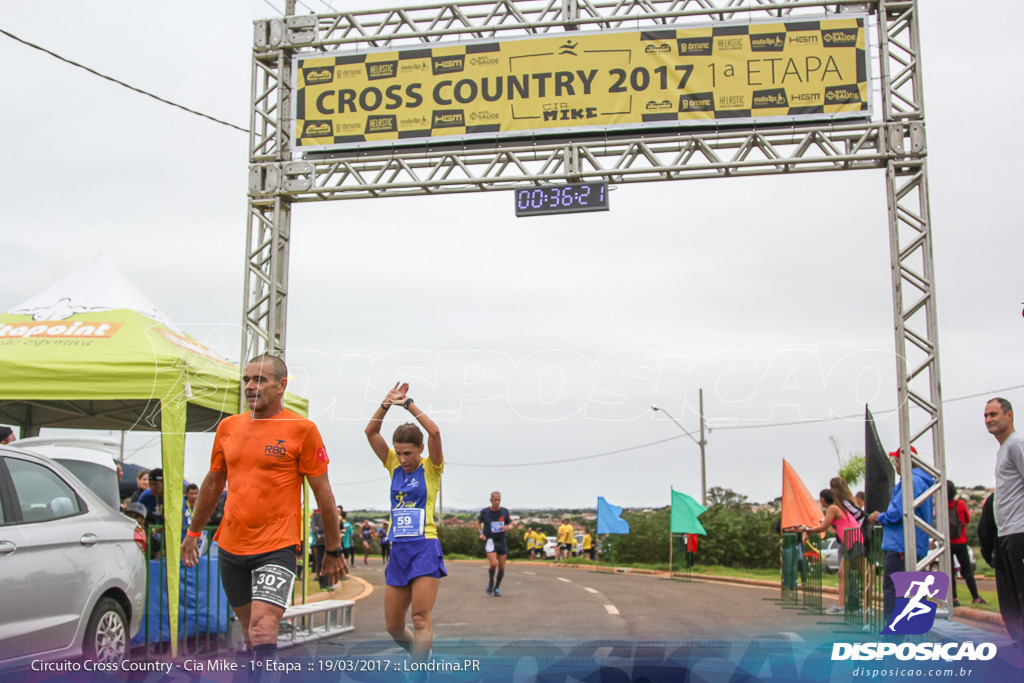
[(344, 592), (979, 615)]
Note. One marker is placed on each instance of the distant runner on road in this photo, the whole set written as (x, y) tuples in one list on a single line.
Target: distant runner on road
[(492, 524)]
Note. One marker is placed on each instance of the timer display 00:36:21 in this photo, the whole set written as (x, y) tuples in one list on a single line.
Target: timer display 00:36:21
[(555, 199)]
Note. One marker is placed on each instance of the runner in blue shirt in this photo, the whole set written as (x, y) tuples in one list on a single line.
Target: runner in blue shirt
[(492, 524)]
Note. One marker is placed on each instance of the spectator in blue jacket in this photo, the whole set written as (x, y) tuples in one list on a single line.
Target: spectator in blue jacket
[(892, 530)]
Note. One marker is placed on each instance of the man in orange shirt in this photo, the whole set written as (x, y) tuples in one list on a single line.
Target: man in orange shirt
[(267, 452)]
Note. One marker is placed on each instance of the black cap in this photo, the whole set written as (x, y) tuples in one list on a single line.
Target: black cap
[(5, 432), (156, 475)]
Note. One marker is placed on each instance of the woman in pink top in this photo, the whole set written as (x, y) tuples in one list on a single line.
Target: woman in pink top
[(841, 520)]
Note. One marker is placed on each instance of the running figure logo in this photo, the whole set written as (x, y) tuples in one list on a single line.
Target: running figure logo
[(915, 613)]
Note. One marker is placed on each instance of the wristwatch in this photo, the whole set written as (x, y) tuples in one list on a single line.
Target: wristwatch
[(408, 402), (334, 553)]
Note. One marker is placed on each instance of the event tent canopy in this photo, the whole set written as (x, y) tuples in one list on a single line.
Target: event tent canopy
[(92, 352)]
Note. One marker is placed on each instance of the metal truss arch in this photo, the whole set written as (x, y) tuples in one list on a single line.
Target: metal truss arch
[(896, 143)]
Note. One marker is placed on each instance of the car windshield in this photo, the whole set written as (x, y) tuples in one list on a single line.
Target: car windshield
[(101, 480)]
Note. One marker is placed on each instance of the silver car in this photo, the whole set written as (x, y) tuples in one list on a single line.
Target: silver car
[(830, 555), (72, 574)]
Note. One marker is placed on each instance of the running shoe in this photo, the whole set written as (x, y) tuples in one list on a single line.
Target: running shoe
[(956, 603), (979, 601), (497, 593), (835, 609), (489, 590)]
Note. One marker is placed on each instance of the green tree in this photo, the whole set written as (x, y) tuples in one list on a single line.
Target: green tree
[(737, 536), (853, 468), (646, 542), (460, 541)]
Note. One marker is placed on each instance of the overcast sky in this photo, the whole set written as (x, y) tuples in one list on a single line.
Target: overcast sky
[(532, 340)]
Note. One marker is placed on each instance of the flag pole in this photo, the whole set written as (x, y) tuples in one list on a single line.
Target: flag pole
[(670, 533)]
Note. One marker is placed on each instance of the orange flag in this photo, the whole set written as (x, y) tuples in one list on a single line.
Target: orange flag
[(798, 505)]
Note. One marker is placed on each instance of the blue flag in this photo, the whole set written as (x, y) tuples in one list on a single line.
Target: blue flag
[(609, 520)]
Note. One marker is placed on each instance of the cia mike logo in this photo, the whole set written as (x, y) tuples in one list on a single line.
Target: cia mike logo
[(914, 613)]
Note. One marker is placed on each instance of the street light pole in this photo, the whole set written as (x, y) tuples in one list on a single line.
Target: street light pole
[(701, 443)]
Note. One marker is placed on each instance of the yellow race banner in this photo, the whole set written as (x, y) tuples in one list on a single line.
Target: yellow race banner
[(740, 74)]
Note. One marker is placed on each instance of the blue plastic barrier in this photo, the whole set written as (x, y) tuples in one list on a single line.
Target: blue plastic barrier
[(202, 605)]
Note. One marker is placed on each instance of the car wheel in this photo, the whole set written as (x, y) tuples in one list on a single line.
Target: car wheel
[(106, 634)]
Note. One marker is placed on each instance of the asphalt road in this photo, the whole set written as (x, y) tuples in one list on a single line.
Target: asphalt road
[(546, 602)]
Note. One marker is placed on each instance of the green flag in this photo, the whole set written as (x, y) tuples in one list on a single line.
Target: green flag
[(685, 511)]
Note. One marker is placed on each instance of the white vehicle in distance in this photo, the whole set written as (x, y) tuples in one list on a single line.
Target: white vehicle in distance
[(830, 558), (89, 459), (72, 574)]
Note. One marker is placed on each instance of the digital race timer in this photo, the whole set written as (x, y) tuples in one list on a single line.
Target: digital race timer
[(554, 199)]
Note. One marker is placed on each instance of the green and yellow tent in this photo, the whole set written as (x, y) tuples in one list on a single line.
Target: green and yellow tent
[(91, 352)]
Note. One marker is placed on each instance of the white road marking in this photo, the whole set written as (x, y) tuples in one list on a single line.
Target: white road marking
[(590, 590), (611, 609), (530, 573), (566, 580)]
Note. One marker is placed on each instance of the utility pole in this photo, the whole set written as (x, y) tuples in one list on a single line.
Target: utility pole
[(703, 443)]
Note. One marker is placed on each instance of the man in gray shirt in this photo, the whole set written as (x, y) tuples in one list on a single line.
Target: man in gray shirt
[(1009, 514)]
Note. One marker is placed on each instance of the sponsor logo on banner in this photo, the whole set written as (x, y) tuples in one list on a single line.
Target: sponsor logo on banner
[(350, 72), (732, 102), (563, 112), (483, 60), (448, 65), (730, 43), (767, 42), (840, 37), (316, 129), (661, 47), (383, 123), (695, 46), (804, 40), (663, 105), (701, 101), (377, 70), (806, 97), (412, 66), (448, 118), (842, 94), (416, 123), (351, 127), (59, 329), (764, 99), (484, 116), (318, 75)]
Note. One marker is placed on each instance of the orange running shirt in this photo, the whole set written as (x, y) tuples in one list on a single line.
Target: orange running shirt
[(265, 461)]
